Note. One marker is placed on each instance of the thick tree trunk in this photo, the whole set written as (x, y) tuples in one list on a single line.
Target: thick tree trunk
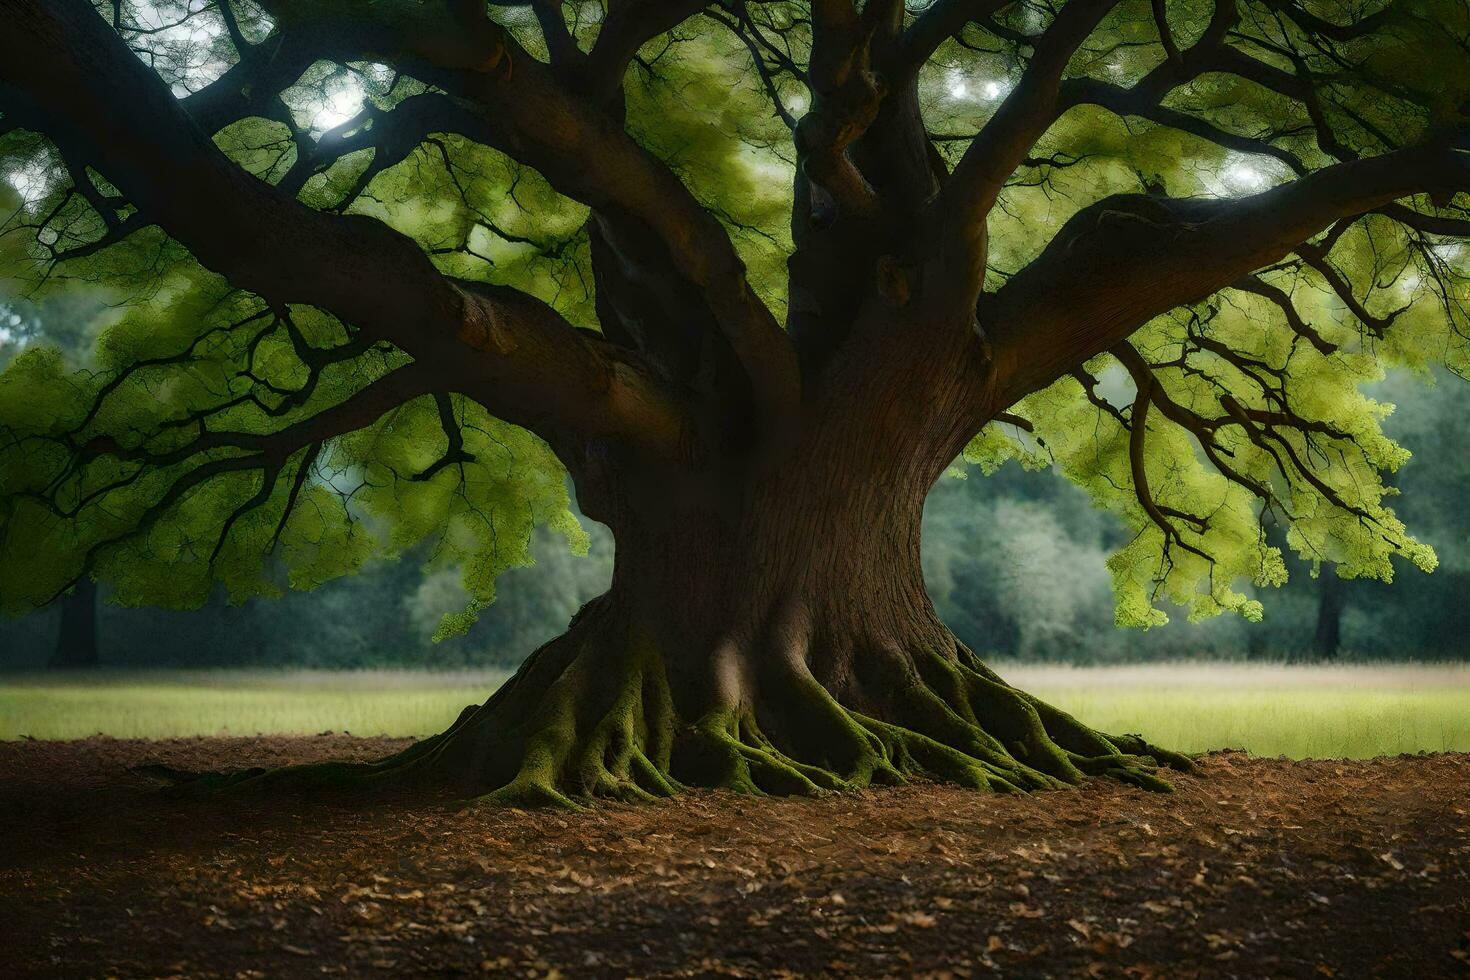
[(767, 629), (775, 642), (76, 637)]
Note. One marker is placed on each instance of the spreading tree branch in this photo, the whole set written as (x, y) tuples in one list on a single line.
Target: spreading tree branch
[(1026, 113), (527, 110), (65, 73), (1118, 263)]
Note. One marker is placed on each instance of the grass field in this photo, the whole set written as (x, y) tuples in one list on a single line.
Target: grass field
[(1301, 712)]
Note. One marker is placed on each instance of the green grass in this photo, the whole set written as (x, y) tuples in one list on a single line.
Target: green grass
[(1354, 712), (168, 704), (1301, 712)]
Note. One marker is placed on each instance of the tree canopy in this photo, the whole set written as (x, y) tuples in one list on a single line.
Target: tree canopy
[(378, 270)]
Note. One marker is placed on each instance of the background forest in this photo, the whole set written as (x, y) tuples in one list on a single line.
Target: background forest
[(1015, 563)]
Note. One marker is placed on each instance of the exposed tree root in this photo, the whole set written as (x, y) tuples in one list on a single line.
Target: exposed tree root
[(592, 715)]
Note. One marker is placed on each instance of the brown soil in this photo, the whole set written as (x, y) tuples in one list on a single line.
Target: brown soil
[(1257, 868)]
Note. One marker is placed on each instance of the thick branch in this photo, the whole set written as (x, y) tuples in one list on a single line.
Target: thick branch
[(1026, 113), (1126, 259), (939, 22), (524, 109), (631, 24), (64, 73), (846, 97)]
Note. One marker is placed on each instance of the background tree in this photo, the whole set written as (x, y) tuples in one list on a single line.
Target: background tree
[(1327, 638), (352, 332), (76, 636)]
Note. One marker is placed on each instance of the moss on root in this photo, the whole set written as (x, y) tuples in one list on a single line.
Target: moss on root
[(584, 720)]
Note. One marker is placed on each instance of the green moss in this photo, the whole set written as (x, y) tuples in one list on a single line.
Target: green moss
[(592, 717)]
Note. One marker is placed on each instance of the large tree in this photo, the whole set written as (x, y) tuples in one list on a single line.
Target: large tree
[(756, 274)]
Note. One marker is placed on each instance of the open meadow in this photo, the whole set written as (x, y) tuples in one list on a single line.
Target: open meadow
[(1351, 711)]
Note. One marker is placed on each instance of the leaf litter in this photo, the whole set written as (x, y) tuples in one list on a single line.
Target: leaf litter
[(1257, 867)]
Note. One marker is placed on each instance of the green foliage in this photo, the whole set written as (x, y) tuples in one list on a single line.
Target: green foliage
[(359, 498), (1335, 501), (107, 493), (1328, 489)]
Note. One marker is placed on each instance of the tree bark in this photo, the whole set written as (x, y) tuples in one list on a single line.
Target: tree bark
[(76, 638), (766, 632)]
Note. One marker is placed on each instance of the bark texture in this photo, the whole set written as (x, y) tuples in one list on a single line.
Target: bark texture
[(774, 638)]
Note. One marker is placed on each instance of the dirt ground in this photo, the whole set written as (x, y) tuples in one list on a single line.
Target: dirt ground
[(1257, 868)]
